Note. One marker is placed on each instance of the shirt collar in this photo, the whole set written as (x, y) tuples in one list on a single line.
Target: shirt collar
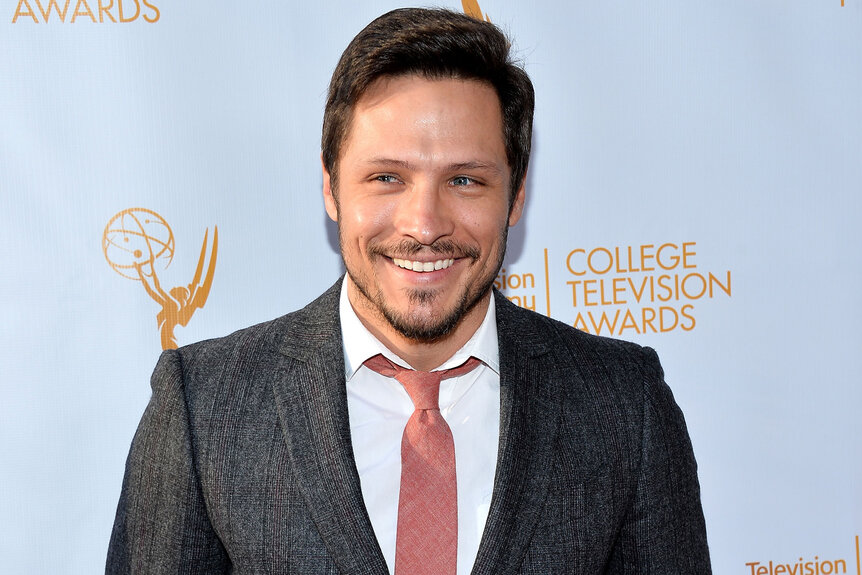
[(359, 344)]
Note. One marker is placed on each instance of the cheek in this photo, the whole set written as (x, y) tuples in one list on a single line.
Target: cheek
[(361, 226), (370, 218), (489, 228)]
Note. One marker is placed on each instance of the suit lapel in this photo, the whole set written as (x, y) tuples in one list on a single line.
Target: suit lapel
[(311, 397), (529, 422)]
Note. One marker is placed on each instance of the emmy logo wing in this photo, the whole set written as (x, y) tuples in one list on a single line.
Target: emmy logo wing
[(472, 9), (200, 291)]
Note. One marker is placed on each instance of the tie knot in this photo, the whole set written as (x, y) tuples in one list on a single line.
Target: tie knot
[(423, 387)]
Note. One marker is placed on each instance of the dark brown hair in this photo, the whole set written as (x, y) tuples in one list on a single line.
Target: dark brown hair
[(433, 43)]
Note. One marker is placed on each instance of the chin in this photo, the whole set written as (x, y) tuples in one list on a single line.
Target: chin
[(425, 326)]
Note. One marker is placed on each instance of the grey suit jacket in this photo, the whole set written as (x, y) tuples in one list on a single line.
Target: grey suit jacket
[(243, 461)]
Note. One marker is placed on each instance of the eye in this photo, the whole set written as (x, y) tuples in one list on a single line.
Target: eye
[(386, 179), (463, 181)]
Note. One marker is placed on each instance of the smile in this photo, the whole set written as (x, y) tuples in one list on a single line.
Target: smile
[(423, 266)]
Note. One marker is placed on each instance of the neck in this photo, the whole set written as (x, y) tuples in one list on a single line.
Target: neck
[(421, 355)]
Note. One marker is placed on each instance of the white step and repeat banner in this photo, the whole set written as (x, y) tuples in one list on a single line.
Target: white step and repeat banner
[(695, 187)]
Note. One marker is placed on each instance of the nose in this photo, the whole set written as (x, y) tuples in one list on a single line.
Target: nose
[(423, 213)]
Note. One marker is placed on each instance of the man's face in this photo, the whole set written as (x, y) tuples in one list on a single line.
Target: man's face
[(422, 203)]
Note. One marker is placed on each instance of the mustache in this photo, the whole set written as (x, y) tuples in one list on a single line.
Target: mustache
[(406, 248)]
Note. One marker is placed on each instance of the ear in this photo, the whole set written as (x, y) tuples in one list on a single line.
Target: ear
[(518, 205), (328, 199)]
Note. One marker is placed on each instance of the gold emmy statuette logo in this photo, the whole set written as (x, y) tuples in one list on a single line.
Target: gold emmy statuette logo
[(471, 8), (134, 242)]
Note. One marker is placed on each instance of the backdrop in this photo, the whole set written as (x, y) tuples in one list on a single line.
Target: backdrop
[(695, 187)]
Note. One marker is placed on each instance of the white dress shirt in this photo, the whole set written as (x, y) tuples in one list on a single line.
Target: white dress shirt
[(379, 408)]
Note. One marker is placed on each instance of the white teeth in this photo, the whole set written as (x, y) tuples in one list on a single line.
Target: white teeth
[(423, 266)]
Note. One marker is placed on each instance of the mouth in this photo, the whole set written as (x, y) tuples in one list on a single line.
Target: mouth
[(423, 267)]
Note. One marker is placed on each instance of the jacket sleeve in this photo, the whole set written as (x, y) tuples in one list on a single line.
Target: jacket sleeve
[(162, 524), (664, 529)]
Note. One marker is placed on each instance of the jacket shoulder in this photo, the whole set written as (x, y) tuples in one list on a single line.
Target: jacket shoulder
[(570, 345), (251, 356), (317, 321)]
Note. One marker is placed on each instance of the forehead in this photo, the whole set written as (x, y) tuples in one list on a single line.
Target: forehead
[(389, 84), (432, 116)]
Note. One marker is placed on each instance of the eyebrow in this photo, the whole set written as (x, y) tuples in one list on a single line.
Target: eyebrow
[(456, 167)]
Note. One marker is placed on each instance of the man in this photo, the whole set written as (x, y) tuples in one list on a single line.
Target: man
[(282, 449)]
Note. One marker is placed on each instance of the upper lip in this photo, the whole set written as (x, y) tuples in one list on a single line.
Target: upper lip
[(425, 259), (431, 265)]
